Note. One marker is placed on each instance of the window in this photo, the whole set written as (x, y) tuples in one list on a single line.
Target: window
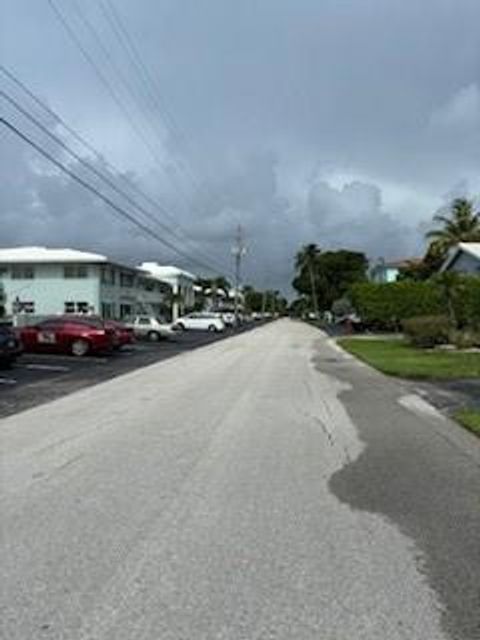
[(27, 307), (144, 320), (108, 310), (127, 280), (79, 307), (75, 271), (23, 272), (126, 310), (108, 275), (83, 307)]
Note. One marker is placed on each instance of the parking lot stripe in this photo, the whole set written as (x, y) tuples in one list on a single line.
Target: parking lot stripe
[(8, 381), (45, 367)]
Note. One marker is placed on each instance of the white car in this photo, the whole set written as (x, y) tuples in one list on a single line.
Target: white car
[(151, 327), (201, 321), (228, 318)]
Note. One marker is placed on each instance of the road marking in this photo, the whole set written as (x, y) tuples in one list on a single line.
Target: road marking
[(45, 367), (8, 381), (420, 406)]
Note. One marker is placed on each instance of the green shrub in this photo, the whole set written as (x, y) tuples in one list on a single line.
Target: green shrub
[(464, 338), (466, 302), (427, 331), (385, 306)]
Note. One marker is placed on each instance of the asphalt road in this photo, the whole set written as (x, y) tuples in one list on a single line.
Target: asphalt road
[(262, 487), (39, 378)]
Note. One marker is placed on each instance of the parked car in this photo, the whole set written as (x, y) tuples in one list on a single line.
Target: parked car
[(228, 317), (201, 321), (123, 335), (151, 327), (77, 335), (10, 346)]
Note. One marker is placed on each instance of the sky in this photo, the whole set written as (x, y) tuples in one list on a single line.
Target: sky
[(347, 123)]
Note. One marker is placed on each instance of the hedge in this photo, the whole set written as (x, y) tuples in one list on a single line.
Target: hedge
[(386, 305)]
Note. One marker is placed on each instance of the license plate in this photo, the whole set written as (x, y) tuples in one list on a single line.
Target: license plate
[(46, 337)]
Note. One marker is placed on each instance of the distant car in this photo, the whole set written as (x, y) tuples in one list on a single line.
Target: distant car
[(76, 335), (201, 321), (10, 346), (151, 327), (122, 334), (228, 318)]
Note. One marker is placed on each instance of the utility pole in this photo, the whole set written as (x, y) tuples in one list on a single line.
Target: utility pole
[(238, 250)]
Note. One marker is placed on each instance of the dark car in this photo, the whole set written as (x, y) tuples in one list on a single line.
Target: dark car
[(10, 346), (122, 335), (76, 335)]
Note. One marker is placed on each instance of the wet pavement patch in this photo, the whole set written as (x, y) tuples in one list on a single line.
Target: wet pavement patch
[(429, 489)]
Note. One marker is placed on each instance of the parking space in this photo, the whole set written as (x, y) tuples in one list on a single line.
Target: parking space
[(39, 378)]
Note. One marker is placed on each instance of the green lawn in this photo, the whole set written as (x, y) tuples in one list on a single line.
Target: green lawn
[(397, 358), (470, 419)]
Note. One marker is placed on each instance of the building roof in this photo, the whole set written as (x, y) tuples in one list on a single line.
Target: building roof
[(396, 264), (166, 271), (471, 248), (47, 255)]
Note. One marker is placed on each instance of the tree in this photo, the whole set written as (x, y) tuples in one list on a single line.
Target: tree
[(305, 261), (333, 274), (463, 225)]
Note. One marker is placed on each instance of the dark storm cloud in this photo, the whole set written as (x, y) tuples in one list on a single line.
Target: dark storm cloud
[(343, 123)]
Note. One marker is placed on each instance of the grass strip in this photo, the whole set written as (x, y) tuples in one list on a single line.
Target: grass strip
[(398, 358)]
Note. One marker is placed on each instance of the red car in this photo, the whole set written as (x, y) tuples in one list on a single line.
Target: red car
[(65, 334), (122, 335)]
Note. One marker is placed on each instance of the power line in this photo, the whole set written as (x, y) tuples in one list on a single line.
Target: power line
[(128, 45), (104, 81), (119, 75), (86, 164), (96, 153), (118, 209)]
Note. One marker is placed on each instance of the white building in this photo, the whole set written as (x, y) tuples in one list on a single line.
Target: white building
[(464, 258), (385, 272), (181, 282), (42, 281)]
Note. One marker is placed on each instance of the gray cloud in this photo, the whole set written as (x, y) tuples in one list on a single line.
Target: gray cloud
[(343, 123)]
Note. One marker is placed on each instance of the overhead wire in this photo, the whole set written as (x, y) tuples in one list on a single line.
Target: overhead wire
[(128, 45), (110, 182), (59, 14), (86, 185), (150, 123)]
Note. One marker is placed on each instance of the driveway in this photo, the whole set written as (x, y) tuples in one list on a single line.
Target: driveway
[(265, 486)]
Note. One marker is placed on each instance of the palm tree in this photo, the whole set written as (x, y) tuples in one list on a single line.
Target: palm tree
[(463, 225), (305, 259)]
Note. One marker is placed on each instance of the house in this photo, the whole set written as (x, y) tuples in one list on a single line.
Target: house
[(181, 282), (383, 271), (464, 258), (43, 281)]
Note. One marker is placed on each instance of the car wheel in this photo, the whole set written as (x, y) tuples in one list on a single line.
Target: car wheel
[(212, 328), (153, 336), (180, 326), (80, 348)]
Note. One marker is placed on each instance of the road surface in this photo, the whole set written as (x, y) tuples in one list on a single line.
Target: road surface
[(262, 487)]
